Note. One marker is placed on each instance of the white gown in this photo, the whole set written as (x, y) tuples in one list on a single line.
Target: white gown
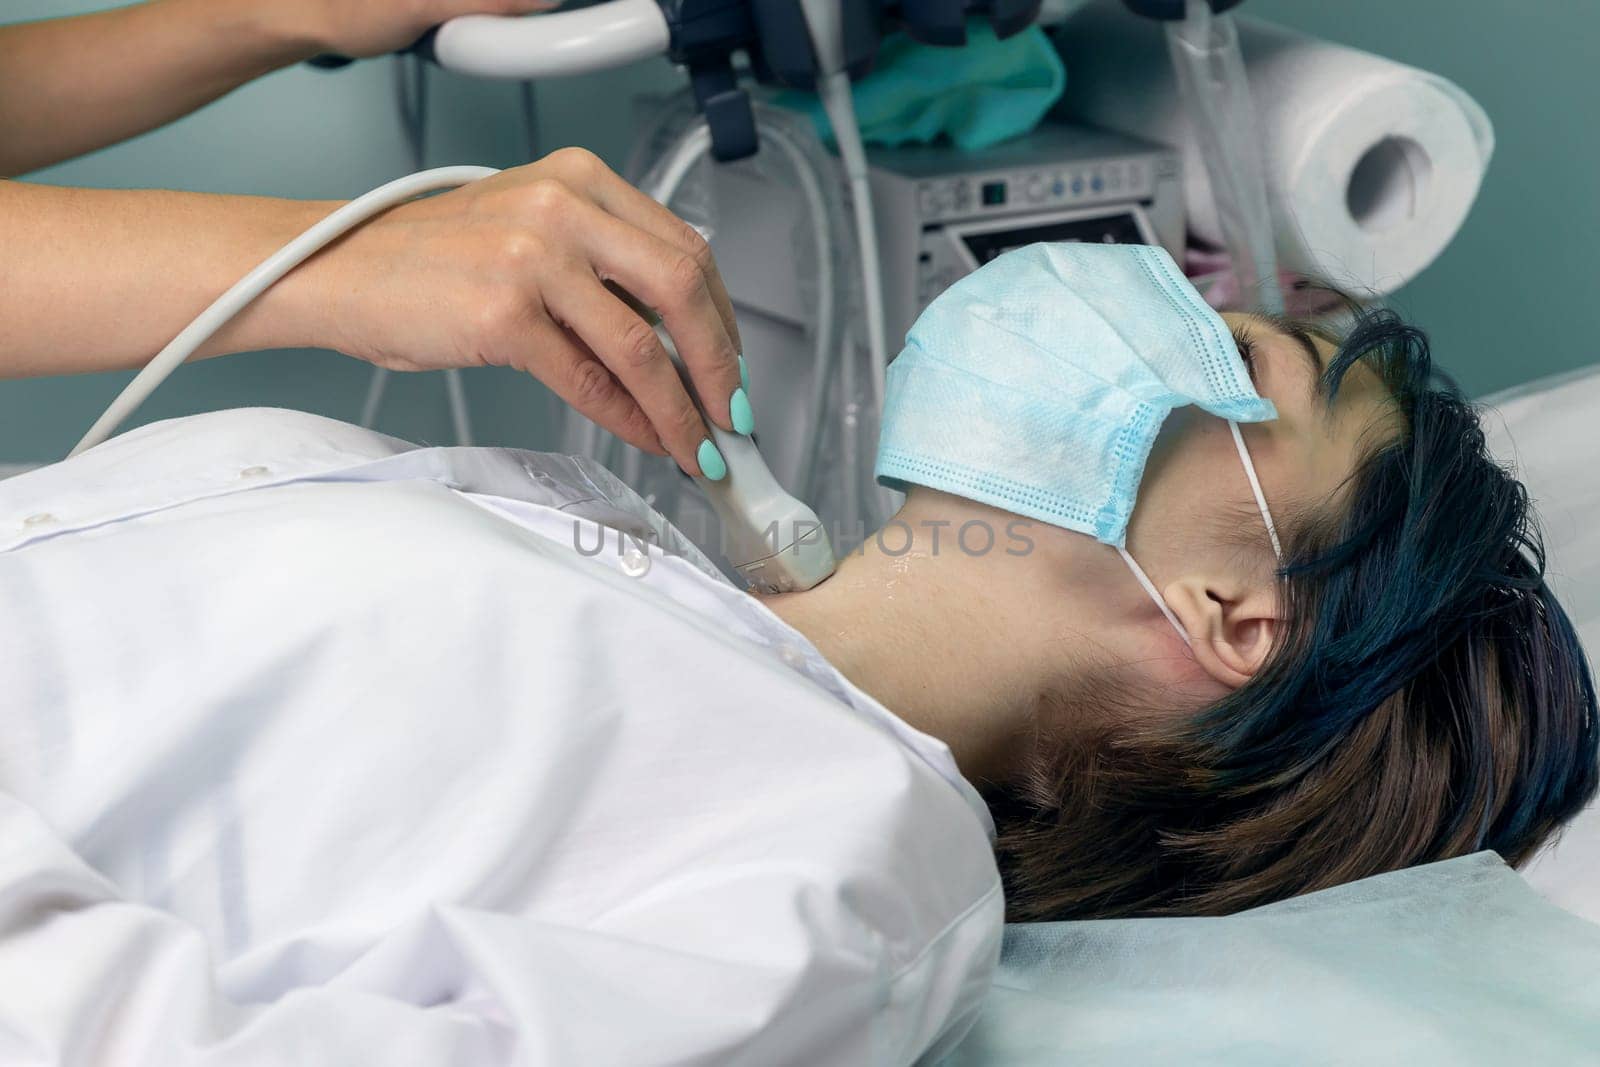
[(317, 749)]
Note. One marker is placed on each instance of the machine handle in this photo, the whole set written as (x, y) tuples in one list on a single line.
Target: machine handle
[(526, 47)]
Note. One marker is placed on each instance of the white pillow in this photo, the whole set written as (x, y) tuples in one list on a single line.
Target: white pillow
[(1456, 963), (1550, 432)]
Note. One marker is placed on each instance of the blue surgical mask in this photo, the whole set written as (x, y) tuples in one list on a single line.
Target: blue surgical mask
[(1039, 383)]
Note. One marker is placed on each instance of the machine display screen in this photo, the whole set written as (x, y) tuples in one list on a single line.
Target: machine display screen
[(1120, 227)]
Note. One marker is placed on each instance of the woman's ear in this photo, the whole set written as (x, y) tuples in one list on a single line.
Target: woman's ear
[(1231, 624)]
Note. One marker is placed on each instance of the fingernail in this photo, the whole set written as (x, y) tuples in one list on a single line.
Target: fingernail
[(710, 460), (744, 374), (744, 420)]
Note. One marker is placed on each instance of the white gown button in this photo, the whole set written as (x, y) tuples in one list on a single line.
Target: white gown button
[(43, 518), (635, 564), (254, 472), (792, 655)]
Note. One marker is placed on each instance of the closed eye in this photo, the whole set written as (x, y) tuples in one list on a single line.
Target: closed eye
[(1247, 348)]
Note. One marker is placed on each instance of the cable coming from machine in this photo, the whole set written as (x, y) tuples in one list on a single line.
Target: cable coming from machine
[(411, 102), (265, 274)]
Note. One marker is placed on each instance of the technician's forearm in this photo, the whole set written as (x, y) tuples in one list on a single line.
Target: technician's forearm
[(94, 279), (71, 85)]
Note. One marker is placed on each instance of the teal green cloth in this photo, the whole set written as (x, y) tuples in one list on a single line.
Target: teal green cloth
[(978, 95)]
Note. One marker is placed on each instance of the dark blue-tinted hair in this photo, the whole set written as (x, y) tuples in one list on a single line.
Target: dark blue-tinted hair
[(1428, 697)]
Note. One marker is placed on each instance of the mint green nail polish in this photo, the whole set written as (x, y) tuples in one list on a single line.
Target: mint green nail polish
[(744, 374), (744, 420), (711, 463)]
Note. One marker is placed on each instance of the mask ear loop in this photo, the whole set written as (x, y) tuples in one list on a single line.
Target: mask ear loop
[(1155, 594), (1266, 516), (1255, 487)]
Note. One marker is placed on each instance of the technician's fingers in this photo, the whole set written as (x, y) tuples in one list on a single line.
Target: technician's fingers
[(615, 195), (574, 373), (635, 355), (633, 206), (672, 282)]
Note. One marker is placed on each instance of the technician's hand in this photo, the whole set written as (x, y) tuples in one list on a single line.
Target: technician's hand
[(513, 271), (360, 28)]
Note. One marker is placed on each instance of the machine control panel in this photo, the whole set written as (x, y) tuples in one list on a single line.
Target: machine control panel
[(963, 195)]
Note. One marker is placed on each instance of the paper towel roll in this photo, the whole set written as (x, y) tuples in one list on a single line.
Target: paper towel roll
[(1371, 165)]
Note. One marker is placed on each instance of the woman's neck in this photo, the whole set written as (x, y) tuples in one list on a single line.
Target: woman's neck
[(959, 618)]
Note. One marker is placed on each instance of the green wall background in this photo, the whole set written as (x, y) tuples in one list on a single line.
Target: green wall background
[(1512, 299)]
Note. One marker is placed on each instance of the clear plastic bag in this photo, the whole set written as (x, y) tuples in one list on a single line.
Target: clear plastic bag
[(1216, 96)]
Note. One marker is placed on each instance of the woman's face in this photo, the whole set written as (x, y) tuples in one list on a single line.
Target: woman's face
[(971, 647), (1195, 486)]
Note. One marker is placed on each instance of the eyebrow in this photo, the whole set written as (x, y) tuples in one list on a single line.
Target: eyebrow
[(1308, 348)]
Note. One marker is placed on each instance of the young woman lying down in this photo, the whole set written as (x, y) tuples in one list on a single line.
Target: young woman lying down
[(319, 747)]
